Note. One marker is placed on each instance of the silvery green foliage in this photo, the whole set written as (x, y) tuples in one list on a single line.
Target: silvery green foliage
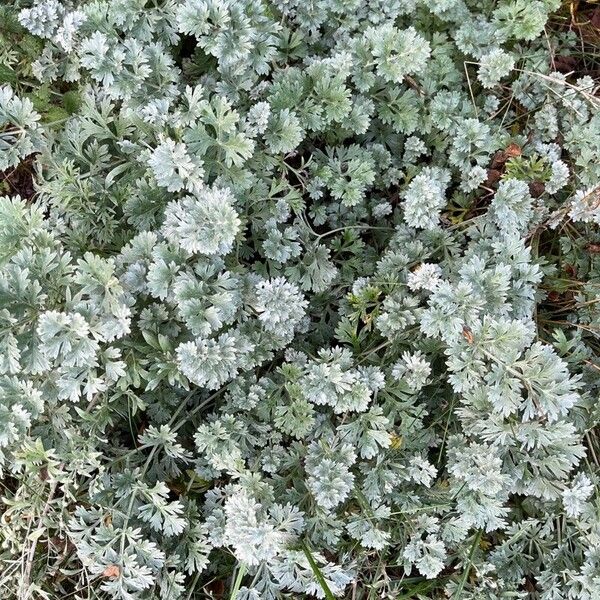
[(255, 536), (281, 305), (20, 132), (425, 197), (294, 572), (306, 298), (206, 225), (494, 66), (329, 478), (424, 549), (574, 499), (585, 206), (413, 369), (50, 19), (397, 53), (174, 169)]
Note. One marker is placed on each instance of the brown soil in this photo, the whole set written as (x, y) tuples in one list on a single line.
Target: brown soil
[(19, 180)]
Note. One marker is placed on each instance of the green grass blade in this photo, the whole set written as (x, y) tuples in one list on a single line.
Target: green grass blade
[(467, 569), (238, 581), (315, 568)]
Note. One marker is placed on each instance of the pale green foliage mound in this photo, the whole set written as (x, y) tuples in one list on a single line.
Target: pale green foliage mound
[(305, 302)]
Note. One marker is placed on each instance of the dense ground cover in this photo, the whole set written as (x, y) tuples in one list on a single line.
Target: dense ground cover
[(299, 298)]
